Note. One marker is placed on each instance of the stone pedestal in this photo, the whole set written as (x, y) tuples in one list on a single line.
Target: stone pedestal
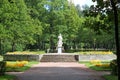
[(59, 50)]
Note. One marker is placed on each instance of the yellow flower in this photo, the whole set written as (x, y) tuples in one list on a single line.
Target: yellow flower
[(95, 61), (98, 64), (16, 64), (24, 62)]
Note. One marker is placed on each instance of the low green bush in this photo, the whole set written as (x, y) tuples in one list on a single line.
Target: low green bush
[(114, 67), (2, 67)]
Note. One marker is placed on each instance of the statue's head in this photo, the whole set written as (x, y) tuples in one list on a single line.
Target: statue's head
[(60, 34)]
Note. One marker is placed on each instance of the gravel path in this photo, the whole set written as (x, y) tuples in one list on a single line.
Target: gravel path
[(59, 71)]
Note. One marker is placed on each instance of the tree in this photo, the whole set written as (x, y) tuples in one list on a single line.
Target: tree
[(17, 24), (56, 16), (105, 7)]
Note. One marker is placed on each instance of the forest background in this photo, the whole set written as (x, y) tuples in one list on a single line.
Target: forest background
[(35, 25)]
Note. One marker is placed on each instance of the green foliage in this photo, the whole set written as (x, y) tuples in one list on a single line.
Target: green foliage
[(114, 67), (2, 67), (110, 77), (17, 27), (20, 47), (33, 25)]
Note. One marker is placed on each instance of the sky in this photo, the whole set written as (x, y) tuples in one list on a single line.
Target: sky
[(83, 2)]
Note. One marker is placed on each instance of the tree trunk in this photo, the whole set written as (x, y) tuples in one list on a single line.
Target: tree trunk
[(13, 46), (0, 45), (51, 37), (116, 32)]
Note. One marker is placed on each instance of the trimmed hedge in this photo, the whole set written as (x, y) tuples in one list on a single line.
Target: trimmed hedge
[(2, 67)]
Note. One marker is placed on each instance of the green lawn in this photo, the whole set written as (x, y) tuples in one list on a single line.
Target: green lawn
[(91, 66), (110, 77), (7, 77), (21, 69), (107, 77), (11, 77)]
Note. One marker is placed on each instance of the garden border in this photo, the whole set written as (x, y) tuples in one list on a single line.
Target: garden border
[(38, 57)]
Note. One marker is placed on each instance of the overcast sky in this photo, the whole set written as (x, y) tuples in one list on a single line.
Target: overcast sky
[(83, 2)]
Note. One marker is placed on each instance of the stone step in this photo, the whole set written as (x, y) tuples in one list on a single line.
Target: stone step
[(59, 58)]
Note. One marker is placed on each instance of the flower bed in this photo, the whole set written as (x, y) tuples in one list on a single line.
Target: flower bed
[(26, 52), (19, 66), (99, 63), (16, 64), (95, 52)]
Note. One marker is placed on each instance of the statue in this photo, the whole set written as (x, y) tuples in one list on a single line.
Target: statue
[(60, 43), (60, 40)]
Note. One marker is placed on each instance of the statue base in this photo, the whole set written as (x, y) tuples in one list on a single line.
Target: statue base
[(59, 50)]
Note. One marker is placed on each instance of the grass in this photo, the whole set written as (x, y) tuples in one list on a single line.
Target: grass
[(110, 77), (100, 68), (12, 77), (7, 77), (21, 69), (107, 77)]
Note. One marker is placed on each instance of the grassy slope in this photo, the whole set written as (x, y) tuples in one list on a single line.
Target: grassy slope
[(28, 66), (107, 77), (110, 77), (7, 77)]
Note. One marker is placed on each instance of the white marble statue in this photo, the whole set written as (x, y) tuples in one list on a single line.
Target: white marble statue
[(59, 46), (60, 40)]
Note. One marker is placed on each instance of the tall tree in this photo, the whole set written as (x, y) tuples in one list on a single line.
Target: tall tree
[(106, 7), (17, 23), (56, 16)]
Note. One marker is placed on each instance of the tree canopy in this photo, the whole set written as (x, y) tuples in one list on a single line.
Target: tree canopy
[(35, 25)]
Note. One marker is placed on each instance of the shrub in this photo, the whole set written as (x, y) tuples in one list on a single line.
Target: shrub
[(114, 67), (2, 67)]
